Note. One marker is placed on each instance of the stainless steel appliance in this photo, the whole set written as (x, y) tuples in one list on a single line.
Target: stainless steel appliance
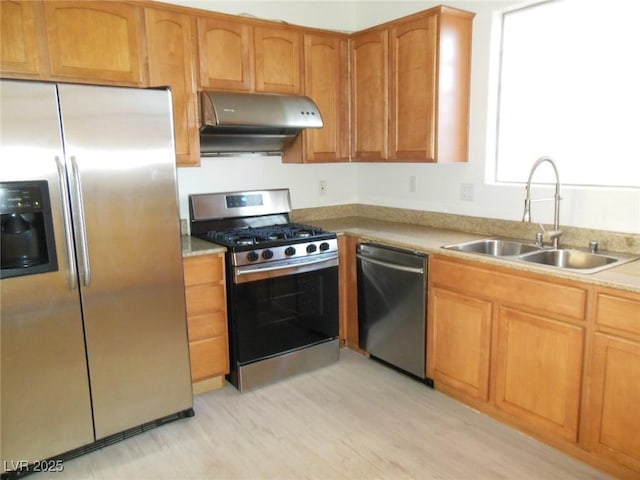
[(282, 284), (264, 123), (94, 343), (392, 286)]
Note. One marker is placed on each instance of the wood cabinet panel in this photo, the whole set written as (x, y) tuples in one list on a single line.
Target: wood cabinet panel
[(613, 422), (171, 61), (619, 311), (454, 85), (369, 95), (203, 269), (459, 341), (548, 354), (520, 288), (204, 298), (348, 291), (18, 44), (206, 317), (94, 41), (326, 83), (413, 90), (225, 54), (278, 60), (209, 358)]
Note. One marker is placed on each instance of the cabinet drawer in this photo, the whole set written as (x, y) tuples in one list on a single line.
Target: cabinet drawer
[(203, 269), (204, 299), (621, 313), (207, 325), (522, 290), (208, 358)]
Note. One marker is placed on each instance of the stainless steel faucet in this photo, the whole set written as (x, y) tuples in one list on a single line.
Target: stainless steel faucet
[(526, 217)]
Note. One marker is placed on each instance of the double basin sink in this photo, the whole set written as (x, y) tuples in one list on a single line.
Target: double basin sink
[(563, 258)]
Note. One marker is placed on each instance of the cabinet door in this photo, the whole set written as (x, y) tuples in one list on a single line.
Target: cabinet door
[(278, 60), (226, 54), (348, 291), (538, 371), (325, 80), (459, 341), (18, 50), (412, 91), (369, 95), (94, 41), (613, 421), (171, 62)]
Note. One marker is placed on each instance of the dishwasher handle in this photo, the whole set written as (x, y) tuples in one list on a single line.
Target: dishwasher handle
[(393, 266)]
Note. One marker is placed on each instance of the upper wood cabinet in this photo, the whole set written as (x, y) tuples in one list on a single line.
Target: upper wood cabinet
[(98, 42), (18, 38), (410, 88), (241, 56), (326, 83), (171, 61), (226, 54), (278, 57), (369, 95)]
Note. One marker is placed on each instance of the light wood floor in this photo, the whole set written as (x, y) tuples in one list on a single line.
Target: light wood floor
[(353, 420)]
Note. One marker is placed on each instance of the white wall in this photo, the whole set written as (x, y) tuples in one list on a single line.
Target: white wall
[(438, 187)]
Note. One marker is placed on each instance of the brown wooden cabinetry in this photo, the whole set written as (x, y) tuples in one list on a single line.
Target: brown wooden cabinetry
[(611, 419), (459, 340), (489, 329), (369, 95), (98, 42), (326, 83), (278, 57), (206, 319), (171, 61), (18, 38), (348, 291), (241, 55), (225, 53), (547, 353), (410, 88)]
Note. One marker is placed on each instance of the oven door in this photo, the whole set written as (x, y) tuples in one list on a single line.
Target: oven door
[(279, 309)]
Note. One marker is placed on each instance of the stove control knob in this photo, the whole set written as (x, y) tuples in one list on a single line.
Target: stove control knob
[(324, 246), (289, 251), (311, 248), (267, 254), (252, 256)]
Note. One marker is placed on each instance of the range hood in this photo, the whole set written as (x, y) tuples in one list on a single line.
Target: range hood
[(235, 123)]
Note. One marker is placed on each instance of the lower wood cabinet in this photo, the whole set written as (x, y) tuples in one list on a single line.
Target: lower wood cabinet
[(558, 359), (459, 342), (348, 296), (538, 370), (611, 420), (206, 319)]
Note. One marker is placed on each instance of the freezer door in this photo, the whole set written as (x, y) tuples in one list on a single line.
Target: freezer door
[(121, 158), (44, 384)]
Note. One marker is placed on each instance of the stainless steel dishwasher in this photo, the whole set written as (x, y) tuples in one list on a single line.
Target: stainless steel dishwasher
[(392, 287)]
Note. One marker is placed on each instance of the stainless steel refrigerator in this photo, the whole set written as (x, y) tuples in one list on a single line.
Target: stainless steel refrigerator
[(93, 329)]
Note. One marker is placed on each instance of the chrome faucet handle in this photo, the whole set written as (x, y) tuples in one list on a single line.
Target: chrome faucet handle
[(593, 246), (539, 239)]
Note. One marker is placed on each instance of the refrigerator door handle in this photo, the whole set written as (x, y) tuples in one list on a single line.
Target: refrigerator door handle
[(85, 272), (68, 231)]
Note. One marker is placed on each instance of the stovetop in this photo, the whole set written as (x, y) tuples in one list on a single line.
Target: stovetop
[(266, 236)]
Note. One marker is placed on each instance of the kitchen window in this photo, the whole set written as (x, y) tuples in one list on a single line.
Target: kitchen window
[(569, 88)]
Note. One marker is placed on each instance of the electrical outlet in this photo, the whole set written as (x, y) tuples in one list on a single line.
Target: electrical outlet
[(412, 184), (322, 187), (466, 192)]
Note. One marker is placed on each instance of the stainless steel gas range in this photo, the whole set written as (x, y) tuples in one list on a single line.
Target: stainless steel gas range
[(282, 284)]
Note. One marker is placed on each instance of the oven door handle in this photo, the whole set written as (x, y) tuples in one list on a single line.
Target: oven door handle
[(251, 274)]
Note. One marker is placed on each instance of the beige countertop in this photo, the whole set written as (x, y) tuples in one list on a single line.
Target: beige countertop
[(192, 246), (430, 240)]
